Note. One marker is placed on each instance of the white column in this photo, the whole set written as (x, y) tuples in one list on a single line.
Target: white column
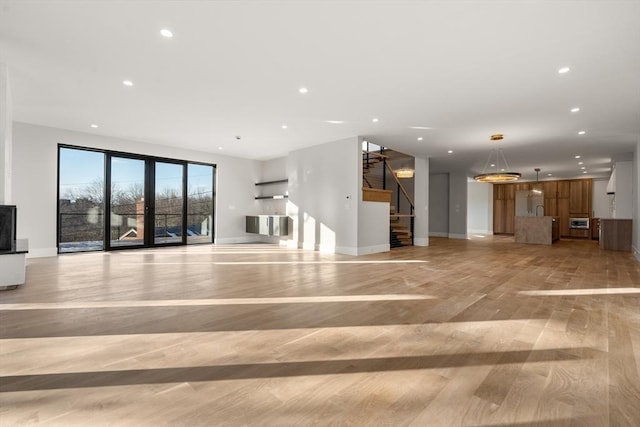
[(421, 201), (6, 123), (636, 204)]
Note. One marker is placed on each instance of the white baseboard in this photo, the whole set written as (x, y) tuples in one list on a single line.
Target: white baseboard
[(483, 232), (457, 236), (42, 252), (240, 239), (438, 234), (420, 241), (366, 250), (346, 250)]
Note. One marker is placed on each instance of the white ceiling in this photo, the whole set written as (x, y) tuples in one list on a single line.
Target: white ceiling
[(467, 69)]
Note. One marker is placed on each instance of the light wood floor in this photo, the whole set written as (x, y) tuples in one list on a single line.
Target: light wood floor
[(475, 333)]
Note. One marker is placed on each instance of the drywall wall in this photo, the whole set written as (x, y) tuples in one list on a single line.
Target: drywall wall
[(5, 136), (457, 205), (272, 170), (624, 192), (35, 182), (421, 202), (325, 187), (600, 199), (479, 208), (438, 222), (373, 227), (636, 202)]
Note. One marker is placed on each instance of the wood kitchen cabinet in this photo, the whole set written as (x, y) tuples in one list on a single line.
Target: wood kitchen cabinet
[(615, 234), (550, 205), (550, 189), (563, 214), (504, 213), (504, 208), (580, 197), (563, 189), (550, 192), (564, 199)]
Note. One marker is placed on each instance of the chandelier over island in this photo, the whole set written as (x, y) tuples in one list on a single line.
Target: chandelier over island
[(499, 162)]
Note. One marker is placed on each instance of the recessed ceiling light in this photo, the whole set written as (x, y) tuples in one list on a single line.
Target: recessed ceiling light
[(375, 120), (450, 151), (127, 83), (564, 70), (582, 132), (303, 90), (219, 148), (581, 163), (166, 33), (584, 171), (335, 122), (419, 138), (284, 126), (577, 157), (582, 168), (94, 126), (420, 127), (501, 170), (493, 165), (549, 174), (575, 109)]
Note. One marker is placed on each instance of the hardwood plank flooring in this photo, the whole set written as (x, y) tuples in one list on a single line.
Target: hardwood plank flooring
[(481, 332)]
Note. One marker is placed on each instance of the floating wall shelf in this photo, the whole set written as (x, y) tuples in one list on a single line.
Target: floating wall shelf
[(275, 196), (280, 181)]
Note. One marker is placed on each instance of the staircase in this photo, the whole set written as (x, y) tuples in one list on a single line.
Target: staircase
[(375, 166), (399, 234)]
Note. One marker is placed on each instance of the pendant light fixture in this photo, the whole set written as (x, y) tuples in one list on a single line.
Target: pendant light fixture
[(501, 173), (404, 172)]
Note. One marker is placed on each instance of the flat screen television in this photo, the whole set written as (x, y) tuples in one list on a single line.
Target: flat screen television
[(7, 227)]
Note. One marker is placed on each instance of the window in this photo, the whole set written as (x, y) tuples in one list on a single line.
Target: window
[(81, 200), (146, 201)]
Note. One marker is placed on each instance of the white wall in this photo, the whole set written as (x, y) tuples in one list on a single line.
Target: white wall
[(624, 191), (421, 202), (457, 205), (35, 182), (479, 208), (373, 227), (636, 202), (272, 170), (5, 136), (600, 199), (324, 193), (439, 205)]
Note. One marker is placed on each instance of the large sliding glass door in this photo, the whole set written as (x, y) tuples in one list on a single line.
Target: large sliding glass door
[(199, 203), (127, 202), (168, 203), (149, 202), (80, 200)]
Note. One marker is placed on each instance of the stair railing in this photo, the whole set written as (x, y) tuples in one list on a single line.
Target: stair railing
[(403, 191)]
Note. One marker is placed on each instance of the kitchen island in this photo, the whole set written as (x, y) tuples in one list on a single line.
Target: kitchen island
[(537, 230)]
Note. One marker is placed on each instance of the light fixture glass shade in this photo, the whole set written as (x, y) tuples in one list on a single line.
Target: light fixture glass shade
[(497, 177), (500, 164), (404, 173)]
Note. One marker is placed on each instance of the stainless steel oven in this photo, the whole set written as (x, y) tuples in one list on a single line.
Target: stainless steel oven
[(579, 223)]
